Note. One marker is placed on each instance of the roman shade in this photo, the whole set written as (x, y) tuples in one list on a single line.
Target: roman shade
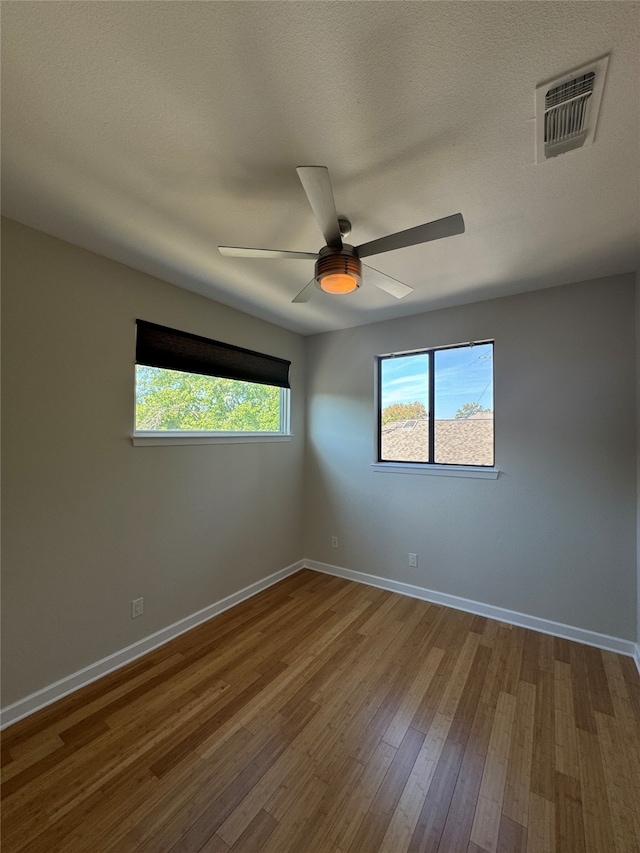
[(160, 346)]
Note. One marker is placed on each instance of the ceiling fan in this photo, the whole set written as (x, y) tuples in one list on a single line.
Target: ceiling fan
[(339, 268)]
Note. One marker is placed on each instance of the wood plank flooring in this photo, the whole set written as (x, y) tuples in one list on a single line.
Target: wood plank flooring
[(324, 716)]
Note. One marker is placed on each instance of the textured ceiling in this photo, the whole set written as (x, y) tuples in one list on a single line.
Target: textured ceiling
[(152, 132)]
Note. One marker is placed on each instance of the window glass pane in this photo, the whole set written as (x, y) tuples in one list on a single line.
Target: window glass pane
[(404, 401), (172, 400), (463, 406)]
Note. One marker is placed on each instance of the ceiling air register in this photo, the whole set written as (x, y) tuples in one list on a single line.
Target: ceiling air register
[(567, 110)]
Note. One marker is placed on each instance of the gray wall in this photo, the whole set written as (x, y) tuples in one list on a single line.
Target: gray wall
[(91, 522), (555, 535)]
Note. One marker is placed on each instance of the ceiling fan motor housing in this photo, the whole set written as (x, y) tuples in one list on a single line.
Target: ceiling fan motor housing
[(338, 262)]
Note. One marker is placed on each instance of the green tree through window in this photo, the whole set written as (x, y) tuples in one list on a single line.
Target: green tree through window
[(172, 400), (468, 410), (403, 411)]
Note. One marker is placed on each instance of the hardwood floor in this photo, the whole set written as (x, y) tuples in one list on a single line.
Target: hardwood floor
[(323, 716)]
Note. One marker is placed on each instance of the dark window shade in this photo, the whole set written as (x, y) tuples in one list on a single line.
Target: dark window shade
[(159, 346)]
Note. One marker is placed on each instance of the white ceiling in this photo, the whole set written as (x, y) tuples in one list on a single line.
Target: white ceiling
[(152, 132)]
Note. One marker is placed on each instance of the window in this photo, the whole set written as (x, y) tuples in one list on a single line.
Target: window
[(186, 384), (436, 406)]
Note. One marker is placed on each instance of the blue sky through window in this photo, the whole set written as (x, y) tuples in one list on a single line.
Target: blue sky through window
[(462, 375)]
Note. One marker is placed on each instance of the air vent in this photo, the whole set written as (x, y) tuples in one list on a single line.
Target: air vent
[(567, 110)]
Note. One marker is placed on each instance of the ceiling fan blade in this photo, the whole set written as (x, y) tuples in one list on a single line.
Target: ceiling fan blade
[(307, 292), (446, 227), (239, 252), (317, 185), (384, 282)]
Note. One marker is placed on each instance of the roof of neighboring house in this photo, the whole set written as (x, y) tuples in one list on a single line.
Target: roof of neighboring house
[(462, 441)]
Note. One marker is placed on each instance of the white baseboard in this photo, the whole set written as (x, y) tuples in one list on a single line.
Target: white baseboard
[(30, 704), (523, 620)]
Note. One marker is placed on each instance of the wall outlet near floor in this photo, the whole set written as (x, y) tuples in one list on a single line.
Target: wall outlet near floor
[(334, 541), (413, 560), (137, 607)]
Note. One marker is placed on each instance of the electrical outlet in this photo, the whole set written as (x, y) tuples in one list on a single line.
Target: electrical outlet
[(334, 541), (413, 560), (137, 607)]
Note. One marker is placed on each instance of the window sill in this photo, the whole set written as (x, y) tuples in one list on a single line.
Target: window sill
[(473, 471), (139, 439)]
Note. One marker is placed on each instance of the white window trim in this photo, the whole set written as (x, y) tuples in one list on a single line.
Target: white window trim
[(140, 439), (472, 471)]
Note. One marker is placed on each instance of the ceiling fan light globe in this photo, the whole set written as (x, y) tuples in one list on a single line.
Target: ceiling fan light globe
[(337, 283)]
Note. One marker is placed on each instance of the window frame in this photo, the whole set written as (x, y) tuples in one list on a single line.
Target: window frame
[(141, 438), (161, 347), (431, 466)]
